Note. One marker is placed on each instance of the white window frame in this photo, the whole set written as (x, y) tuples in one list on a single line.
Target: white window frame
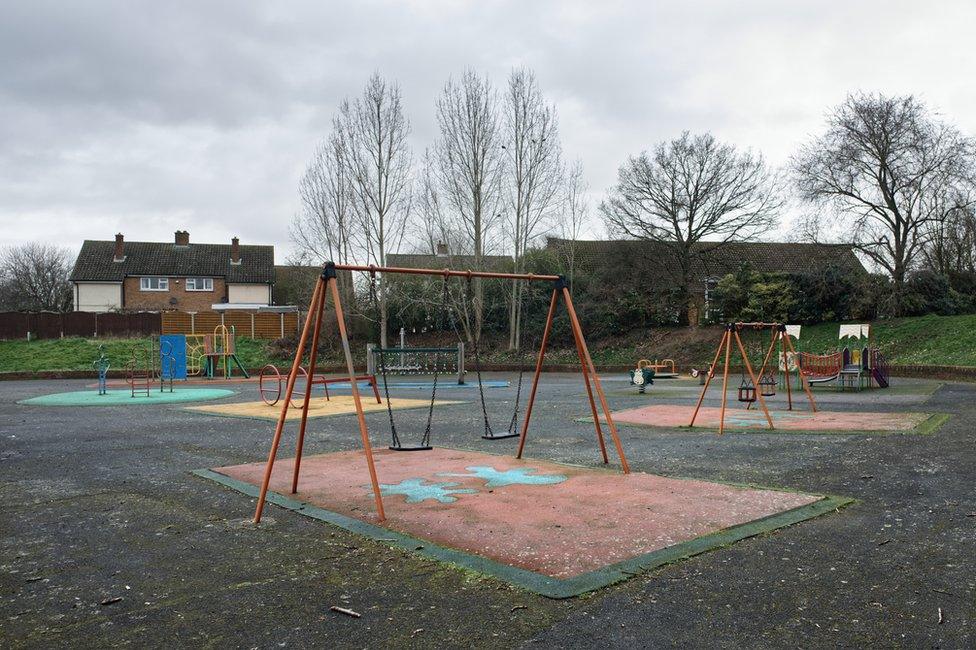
[(162, 284), (206, 281)]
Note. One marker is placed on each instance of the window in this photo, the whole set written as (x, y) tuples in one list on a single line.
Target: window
[(153, 284), (199, 284)]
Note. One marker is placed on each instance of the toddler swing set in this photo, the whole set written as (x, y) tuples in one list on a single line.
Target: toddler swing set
[(755, 386)]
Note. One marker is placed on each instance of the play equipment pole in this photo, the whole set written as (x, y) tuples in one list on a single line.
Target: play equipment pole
[(313, 357), (709, 376), (786, 366), (538, 372), (329, 273), (317, 295), (578, 333), (589, 393), (725, 386), (799, 373)]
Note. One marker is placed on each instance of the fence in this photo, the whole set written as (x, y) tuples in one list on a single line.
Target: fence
[(50, 325), (260, 325)]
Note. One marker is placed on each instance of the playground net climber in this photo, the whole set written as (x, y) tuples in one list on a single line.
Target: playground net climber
[(755, 386), (313, 327)]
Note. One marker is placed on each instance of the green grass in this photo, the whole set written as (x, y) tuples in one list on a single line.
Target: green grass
[(77, 353), (924, 340)]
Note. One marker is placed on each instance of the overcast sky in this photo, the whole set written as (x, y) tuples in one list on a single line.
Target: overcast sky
[(148, 117)]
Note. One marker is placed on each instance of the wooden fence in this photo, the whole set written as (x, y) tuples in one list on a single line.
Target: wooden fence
[(50, 325), (261, 325)]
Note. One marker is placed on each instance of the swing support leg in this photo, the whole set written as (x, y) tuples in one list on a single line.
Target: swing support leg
[(752, 377), (317, 295), (709, 376), (588, 369), (312, 358)]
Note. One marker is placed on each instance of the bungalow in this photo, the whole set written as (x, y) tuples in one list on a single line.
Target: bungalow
[(158, 276)]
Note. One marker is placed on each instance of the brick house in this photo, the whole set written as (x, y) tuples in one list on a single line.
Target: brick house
[(158, 276)]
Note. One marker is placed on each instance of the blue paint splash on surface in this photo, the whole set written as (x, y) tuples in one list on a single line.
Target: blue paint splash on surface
[(523, 476), (416, 491)]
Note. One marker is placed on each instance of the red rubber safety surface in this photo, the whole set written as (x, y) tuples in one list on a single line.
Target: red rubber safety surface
[(554, 519), (799, 419)]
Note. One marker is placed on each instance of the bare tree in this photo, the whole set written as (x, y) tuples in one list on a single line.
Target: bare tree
[(692, 195), (35, 277), (378, 159), (468, 167), (888, 171), (325, 228), (533, 175), (575, 215), (951, 242)]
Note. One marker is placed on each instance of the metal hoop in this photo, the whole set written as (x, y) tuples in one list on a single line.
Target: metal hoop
[(270, 372)]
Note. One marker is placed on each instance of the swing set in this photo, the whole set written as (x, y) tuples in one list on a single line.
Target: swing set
[(313, 326), (756, 386)]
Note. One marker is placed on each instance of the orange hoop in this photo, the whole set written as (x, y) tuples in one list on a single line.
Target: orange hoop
[(270, 393)]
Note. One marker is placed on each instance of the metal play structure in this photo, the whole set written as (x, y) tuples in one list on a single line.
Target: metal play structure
[(208, 354), (413, 361), (102, 364), (754, 385), (140, 375), (271, 380), (313, 326)]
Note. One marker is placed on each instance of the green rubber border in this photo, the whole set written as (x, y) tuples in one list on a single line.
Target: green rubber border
[(538, 583), (926, 427), (274, 418)]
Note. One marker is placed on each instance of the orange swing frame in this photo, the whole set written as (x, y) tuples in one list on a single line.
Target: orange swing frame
[(778, 336), (327, 284)]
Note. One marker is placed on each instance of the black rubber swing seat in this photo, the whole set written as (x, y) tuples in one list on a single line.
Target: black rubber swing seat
[(392, 448), (500, 436)]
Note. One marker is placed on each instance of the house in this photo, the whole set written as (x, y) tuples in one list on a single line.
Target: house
[(157, 276), (655, 265)]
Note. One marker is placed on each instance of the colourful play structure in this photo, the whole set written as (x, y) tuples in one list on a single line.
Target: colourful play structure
[(209, 354), (854, 367)]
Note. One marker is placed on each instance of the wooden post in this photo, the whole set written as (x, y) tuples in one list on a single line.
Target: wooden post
[(317, 295)]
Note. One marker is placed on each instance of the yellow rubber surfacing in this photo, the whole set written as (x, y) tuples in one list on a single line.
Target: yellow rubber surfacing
[(318, 407)]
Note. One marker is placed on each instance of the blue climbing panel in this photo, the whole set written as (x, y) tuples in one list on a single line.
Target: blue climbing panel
[(178, 343)]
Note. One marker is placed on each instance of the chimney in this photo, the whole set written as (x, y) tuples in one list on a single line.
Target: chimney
[(441, 249), (119, 248), (182, 238), (235, 251)]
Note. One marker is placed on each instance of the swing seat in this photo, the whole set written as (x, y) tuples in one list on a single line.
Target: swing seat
[(500, 436), (402, 448)]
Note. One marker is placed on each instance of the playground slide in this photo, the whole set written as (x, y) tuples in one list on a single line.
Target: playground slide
[(879, 377), (821, 379)]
